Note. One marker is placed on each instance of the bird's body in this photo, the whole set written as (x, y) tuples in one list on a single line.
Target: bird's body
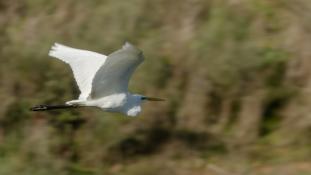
[(127, 103), (102, 80)]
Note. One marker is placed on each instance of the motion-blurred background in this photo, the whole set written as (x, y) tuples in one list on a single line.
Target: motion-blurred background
[(236, 75)]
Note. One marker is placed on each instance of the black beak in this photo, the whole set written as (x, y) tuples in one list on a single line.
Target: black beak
[(152, 99)]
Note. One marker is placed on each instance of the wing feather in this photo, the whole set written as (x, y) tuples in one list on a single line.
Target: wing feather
[(113, 76), (83, 63)]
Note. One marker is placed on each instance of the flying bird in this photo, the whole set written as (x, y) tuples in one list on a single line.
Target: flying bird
[(102, 80)]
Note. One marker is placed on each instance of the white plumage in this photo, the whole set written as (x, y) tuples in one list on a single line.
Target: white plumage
[(103, 80), (83, 63)]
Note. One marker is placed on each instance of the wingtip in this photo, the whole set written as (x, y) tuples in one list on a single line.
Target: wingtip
[(55, 47), (52, 50), (127, 45)]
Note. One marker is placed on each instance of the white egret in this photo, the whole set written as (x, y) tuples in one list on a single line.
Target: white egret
[(102, 80)]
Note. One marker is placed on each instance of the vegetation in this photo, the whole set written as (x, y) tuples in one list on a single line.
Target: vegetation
[(236, 76)]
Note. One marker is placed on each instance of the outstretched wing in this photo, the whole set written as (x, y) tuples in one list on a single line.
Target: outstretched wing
[(83, 63), (114, 75)]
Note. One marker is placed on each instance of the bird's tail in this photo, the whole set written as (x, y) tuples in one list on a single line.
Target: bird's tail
[(51, 107)]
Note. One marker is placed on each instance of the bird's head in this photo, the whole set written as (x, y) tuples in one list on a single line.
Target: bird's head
[(135, 101)]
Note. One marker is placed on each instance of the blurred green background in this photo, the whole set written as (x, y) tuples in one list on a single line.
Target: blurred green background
[(236, 75)]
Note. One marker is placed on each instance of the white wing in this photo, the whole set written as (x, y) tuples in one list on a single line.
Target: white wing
[(83, 63), (114, 75)]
